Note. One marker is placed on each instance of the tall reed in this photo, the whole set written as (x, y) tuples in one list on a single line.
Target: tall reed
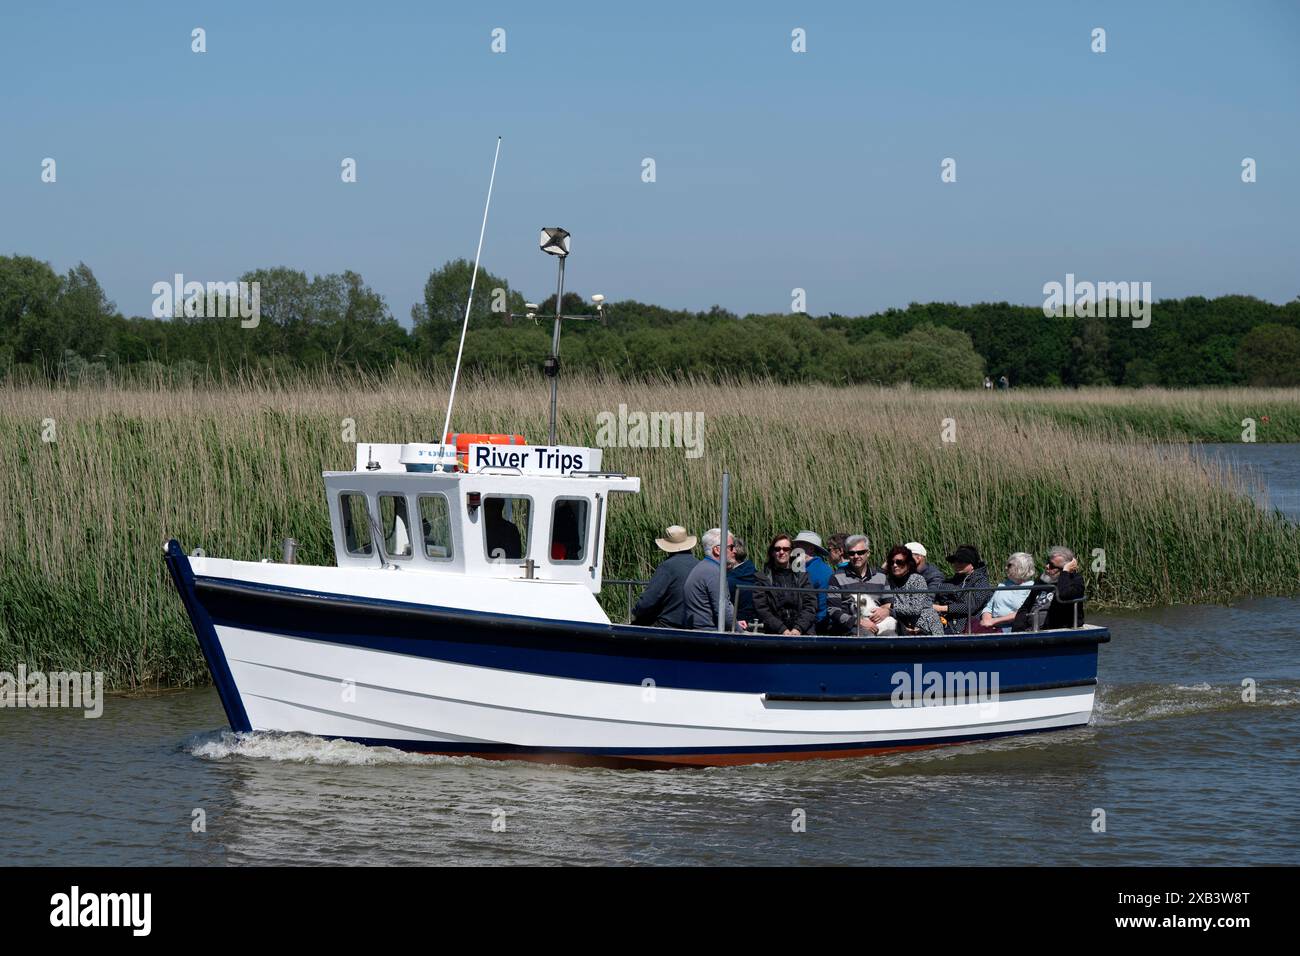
[(235, 466)]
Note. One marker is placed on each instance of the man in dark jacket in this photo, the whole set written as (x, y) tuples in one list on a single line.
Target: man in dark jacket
[(1053, 601), (970, 581), (794, 610), (847, 586), (664, 602), (744, 572), (933, 576)]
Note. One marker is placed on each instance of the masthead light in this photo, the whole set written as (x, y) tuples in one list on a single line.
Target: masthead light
[(555, 242)]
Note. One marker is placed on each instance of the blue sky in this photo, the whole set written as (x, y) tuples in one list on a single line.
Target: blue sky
[(775, 170)]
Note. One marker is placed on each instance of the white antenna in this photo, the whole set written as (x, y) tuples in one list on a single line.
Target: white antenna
[(442, 436)]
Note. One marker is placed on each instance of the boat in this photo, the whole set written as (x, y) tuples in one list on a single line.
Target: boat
[(462, 617), (429, 636)]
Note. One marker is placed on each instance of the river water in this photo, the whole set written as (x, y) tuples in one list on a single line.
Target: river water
[(1270, 473), (1181, 768)]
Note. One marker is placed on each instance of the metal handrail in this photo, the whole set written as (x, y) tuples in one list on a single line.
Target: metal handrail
[(894, 590), (630, 583)]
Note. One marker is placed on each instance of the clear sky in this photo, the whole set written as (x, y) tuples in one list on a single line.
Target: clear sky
[(774, 169)]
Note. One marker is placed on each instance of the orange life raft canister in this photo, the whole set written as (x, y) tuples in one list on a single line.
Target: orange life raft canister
[(462, 441)]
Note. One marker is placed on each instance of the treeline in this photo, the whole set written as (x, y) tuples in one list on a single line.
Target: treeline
[(63, 327)]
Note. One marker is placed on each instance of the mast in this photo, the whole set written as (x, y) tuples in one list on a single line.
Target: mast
[(455, 375), (555, 242)]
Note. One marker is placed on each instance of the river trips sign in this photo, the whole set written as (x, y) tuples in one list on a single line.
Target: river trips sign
[(533, 459)]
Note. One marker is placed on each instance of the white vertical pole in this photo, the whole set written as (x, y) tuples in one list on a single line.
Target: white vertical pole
[(455, 375), (724, 557)]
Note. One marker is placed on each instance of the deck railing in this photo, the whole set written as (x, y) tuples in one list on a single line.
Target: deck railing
[(1075, 603)]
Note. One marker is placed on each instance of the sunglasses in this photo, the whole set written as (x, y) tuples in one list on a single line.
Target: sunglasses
[(780, 549), (857, 554), (898, 563)]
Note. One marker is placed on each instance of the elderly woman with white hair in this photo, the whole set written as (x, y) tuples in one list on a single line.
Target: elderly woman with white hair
[(1001, 610)]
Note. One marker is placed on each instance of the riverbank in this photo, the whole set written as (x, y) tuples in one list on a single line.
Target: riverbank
[(96, 479)]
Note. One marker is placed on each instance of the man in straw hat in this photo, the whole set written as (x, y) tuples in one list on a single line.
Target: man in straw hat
[(664, 602)]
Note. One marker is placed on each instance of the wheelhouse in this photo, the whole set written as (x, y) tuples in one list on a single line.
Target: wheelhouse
[(495, 522)]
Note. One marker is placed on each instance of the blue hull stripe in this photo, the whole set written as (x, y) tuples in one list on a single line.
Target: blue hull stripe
[(810, 667)]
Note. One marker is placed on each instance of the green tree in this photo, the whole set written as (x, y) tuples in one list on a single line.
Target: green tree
[(936, 357), (31, 329), (1090, 348), (86, 312), (1270, 355), (445, 293)]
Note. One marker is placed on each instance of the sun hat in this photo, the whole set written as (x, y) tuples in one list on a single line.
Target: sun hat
[(675, 539), (813, 539), (916, 547), (965, 554)]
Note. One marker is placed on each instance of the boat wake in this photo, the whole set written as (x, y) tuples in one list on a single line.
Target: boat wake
[(1129, 703), (1115, 705), (302, 748)]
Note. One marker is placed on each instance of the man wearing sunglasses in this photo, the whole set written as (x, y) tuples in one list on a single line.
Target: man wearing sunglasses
[(1057, 596), (702, 585), (848, 587)]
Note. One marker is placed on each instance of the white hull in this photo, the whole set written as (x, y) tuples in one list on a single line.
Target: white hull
[(296, 684), (413, 661)]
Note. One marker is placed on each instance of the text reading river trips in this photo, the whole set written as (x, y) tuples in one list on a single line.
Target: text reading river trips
[(533, 459)]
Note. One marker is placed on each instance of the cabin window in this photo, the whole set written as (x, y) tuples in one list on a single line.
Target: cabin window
[(356, 523), (435, 522), (505, 527), (569, 531), (392, 518)]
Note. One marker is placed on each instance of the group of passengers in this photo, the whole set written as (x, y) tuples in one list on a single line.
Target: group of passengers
[(836, 590)]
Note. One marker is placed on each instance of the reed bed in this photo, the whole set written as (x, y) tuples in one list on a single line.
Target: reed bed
[(234, 466)]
